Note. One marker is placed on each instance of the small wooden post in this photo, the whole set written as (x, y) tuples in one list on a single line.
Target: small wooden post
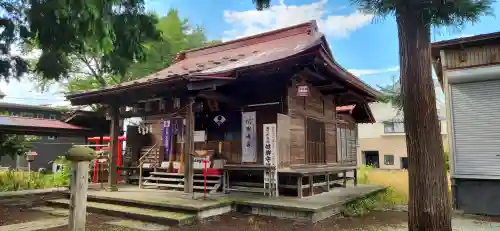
[(80, 158), (299, 186), (327, 181), (355, 177), (311, 185), (113, 145), (344, 175), (188, 148)]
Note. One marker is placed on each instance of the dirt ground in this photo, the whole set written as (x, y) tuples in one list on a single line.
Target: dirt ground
[(228, 222), (250, 222)]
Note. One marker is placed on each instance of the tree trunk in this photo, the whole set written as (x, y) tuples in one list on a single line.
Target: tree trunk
[(429, 204)]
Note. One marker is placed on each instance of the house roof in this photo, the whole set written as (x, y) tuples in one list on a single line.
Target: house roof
[(95, 120), (460, 43), (223, 61), (35, 126), (27, 106), (360, 112)]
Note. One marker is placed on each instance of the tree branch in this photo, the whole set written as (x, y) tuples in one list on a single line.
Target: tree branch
[(97, 76)]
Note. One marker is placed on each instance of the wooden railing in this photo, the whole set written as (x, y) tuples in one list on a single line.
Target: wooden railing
[(141, 162)]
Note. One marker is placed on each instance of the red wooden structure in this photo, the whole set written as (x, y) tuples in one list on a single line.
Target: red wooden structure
[(106, 140)]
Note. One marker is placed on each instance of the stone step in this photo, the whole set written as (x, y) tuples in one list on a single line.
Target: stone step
[(142, 214), (42, 224)]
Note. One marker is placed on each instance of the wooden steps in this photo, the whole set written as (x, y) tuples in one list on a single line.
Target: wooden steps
[(178, 180), (175, 181)]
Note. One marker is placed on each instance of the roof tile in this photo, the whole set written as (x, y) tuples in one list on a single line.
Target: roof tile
[(35, 122)]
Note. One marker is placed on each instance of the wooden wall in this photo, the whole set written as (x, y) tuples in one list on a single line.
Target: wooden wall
[(348, 122), (318, 107), (283, 140), (471, 57)]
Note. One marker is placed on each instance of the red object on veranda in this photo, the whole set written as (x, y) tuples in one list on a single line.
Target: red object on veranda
[(97, 140), (205, 162)]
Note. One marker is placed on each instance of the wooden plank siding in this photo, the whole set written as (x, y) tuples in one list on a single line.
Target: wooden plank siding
[(317, 107), (283, 134), (472, 57)]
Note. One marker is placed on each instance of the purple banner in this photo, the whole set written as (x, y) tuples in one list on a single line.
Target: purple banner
[(166, 139)]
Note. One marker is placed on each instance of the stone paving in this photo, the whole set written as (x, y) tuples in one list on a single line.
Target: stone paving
[(36, 225), (458, 224)]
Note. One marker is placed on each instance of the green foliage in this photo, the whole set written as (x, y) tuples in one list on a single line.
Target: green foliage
[(262, 4), (62, 178), (392, 94), (87, 72), (13, 180), (18, 180), (13, 145), (396, 192), (111, 31), (14, 30), (177, 36), (447, 160), (363, 206), (433, 12)]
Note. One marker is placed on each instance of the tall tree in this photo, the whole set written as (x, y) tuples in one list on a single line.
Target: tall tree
[(176, 35), (61, 29), (429, 205), (14, 145)]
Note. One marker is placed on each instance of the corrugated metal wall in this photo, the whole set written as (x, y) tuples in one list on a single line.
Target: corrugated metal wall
[(476, 128)]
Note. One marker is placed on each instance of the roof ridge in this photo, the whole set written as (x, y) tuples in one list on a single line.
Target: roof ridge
[(309, 27)]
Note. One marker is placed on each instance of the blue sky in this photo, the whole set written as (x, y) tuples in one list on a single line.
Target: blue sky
[(366, 47)]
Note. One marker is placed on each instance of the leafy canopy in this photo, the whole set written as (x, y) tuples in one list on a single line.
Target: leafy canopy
[(87, 74), (392, 94), (13, 145), (60, 29), (433, 12)]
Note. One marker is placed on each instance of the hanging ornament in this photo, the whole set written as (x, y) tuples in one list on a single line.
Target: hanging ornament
[(219, 120)]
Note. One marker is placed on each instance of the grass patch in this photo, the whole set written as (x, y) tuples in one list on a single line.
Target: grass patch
[(395, 180), (396, 193), (12, 180)]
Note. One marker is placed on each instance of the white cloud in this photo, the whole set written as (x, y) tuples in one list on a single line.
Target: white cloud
[(24, 92), (246, 23), (363, 72)]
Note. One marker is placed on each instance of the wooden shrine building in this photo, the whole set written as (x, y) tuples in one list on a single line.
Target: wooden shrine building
[(261, 110)]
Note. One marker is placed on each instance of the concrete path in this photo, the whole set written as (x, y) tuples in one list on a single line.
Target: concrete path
[(458, 224), (138, 225)]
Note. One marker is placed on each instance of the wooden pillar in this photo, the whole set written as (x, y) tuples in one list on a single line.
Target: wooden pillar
[(311, 185), (299, 186), (355, 177), (80, 158), (113, 145), (344, 175), (189, 148)]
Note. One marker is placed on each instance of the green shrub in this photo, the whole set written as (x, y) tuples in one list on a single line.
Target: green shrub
[(447, 160), (363, 206), (12, 180)]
